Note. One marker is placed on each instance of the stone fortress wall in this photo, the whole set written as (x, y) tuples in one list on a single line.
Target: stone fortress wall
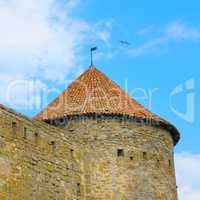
[(37, 161), (84, 160)]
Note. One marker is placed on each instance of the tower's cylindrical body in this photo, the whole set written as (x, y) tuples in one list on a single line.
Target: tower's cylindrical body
[(124, 160)]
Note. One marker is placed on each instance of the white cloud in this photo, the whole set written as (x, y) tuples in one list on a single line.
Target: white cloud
[(25, 94), (41, 39), (180, 30), (188, 176), (145, 31), (148, 46), (172, 32), (105, 37), (38, 35)]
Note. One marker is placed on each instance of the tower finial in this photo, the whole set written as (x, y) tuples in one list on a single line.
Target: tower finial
[(91, 51)]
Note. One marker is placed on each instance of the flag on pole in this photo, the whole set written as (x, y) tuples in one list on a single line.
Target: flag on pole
[(94, 49)]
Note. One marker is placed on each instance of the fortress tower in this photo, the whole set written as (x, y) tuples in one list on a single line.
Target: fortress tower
[(126, 152)]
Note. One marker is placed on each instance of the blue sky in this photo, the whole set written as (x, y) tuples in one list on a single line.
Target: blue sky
[(164, 65), (45, 44)]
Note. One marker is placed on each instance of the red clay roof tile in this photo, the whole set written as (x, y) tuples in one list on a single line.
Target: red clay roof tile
[(94, 92)]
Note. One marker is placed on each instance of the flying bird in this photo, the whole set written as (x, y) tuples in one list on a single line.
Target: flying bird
[(124, 43)]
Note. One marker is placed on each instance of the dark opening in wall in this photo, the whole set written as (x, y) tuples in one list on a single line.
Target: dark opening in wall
[(131, 158), (145, 155), (36, 134), (14, 127), (78, 190), (72, 152), (158, 163), (120, 153), (53, 144), (25, 133)]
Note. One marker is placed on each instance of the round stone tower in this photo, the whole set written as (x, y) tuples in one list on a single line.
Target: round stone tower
[(127, 151)]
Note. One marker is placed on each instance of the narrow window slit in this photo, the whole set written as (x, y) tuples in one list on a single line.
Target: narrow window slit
[(158, 163), (36, 134), (78, 189), (120, 153), (145, 155), (25, 133), (14, 127), (53, 144), (71, 152)]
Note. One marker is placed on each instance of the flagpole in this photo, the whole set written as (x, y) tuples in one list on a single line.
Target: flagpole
[(91, 58)]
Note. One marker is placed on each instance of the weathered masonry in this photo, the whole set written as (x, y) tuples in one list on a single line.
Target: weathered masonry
[(93, 142), (36, 160)]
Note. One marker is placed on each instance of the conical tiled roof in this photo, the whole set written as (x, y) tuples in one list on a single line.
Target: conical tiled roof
[(95, 93)]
